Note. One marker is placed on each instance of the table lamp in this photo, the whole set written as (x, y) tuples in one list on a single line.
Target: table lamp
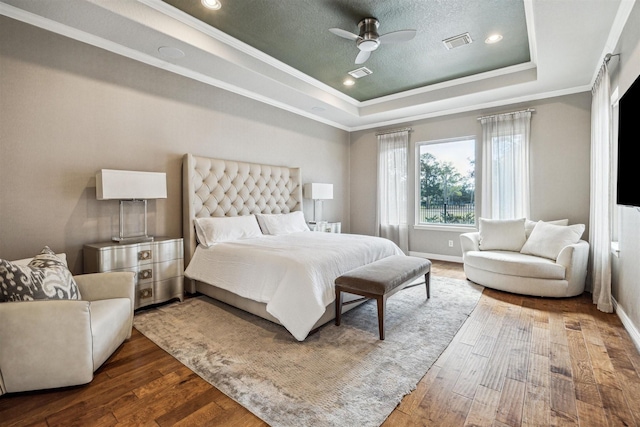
[(318, 192), (131, 188)]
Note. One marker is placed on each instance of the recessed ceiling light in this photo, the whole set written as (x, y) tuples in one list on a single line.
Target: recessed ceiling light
[(493, 38), (212, 4), (349, 82)]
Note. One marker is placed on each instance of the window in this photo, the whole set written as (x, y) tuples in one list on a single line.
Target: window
[(446, 182)]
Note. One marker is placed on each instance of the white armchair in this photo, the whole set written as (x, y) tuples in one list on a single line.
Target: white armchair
[(58, 343), (543, 267)]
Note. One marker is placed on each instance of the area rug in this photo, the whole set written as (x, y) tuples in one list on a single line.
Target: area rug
[(340, 375)]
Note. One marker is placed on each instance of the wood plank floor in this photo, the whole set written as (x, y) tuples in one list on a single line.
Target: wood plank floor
[(517, 361)]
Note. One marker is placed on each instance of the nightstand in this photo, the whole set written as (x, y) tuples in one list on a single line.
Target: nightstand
[(327, 227), (158, 265)]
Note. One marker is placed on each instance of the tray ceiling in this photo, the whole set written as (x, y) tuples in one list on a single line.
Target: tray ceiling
[(282, 53), (296, 32)]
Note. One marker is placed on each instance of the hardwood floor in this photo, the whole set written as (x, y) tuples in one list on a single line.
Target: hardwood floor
[(517, 361)]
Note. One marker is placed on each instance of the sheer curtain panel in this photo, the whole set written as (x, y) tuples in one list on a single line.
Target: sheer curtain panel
[(601, 181), (505, 165), (392, 188)]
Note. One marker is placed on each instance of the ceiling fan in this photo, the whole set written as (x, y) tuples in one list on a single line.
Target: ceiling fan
[(369, 39)]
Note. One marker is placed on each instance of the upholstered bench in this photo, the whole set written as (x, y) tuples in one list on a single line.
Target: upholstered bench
[(379, 280)]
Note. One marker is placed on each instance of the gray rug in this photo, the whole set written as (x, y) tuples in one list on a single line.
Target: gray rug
[(338, 376)]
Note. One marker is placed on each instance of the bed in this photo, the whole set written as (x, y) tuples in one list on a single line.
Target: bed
[(283, 272)]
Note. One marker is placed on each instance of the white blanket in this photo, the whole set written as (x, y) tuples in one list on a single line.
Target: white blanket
[(293, 274)]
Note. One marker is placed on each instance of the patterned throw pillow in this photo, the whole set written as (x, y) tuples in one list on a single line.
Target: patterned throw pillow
[(46, 277)]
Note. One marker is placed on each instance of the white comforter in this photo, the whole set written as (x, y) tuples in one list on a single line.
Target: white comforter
[(293, 274)]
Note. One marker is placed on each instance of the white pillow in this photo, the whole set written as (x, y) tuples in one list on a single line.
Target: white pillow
[(212, 230), (502, 234), (529, 225), (278, 224), (547, 240)]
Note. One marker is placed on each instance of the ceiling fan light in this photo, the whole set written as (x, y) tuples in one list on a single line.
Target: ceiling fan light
[(368, 45), (212, 4)]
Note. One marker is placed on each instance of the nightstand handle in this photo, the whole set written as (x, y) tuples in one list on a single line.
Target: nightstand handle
[(146, 274), (144, 255)]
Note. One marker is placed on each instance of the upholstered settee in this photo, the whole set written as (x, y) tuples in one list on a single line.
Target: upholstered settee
[(50, 343), (531, 258)]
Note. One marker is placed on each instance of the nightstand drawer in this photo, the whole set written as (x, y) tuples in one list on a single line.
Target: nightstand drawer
[(122, 257), (149, 292), (159, 271), (159, 266), (116, 258)]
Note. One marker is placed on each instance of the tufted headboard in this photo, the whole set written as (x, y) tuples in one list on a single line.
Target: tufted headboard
[(214, 187)]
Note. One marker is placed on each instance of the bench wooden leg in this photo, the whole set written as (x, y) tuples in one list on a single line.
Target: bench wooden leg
[(427, 282), (338, 306), (382, 305)]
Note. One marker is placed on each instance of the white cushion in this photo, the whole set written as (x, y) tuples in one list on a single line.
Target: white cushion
[(278, 224), (515, 264), (212, 230), (547, 240), (529, 225), (502, 234)]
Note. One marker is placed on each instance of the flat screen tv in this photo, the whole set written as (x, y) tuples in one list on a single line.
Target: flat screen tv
[(628, 193)]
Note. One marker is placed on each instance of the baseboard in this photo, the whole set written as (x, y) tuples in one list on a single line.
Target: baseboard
[(438, 257), (628, 324)]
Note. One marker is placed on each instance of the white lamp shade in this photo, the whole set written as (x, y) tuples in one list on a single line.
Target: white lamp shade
[(318, 191), (130, 185)]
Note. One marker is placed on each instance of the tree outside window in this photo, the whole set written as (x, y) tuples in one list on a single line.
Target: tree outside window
[(446, 190)]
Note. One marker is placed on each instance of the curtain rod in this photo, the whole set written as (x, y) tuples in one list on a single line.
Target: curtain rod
[(385, 132), (608, 57), (528, 110)]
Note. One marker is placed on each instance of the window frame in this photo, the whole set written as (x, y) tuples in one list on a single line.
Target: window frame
[(463, 228)]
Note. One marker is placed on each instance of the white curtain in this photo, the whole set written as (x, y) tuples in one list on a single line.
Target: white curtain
[(600, 213), (392, 188), (505, 165)]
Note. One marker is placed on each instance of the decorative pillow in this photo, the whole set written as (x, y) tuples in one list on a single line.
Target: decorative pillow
[(278, 224), (547, 240), (529, 225), (45, 277), (502, 234), (212, 230), (25, 261)]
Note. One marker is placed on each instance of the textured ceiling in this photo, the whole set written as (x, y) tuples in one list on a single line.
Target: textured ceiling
[(295, 32)]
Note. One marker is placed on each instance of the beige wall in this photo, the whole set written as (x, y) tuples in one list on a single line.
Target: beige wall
[(626, 269), (560, 146), (68, 109)]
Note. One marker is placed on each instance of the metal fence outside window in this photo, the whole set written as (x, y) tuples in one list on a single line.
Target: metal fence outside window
[(447, 213)]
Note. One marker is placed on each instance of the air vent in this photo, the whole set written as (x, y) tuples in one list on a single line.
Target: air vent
[(457, 41), (360, 72)]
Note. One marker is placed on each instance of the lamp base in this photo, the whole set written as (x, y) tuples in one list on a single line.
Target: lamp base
[(128, 235), (135, 239)]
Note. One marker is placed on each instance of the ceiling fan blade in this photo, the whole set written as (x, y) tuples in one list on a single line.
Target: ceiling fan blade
[(397, 36), (344, 34), (362, 57)]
